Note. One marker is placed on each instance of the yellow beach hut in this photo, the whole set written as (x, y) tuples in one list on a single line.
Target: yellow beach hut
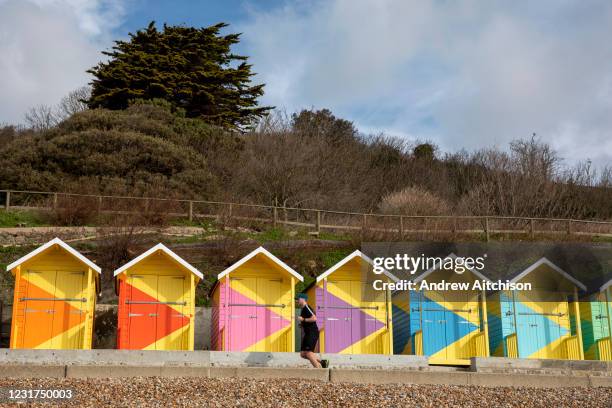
[(54, 299), (253, 305), (353, 317), (543, 322), (448, 326), (596, 319), (156, 301)]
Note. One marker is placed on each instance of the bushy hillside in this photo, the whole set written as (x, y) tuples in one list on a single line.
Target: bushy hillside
[(310, 160), (143, 149)]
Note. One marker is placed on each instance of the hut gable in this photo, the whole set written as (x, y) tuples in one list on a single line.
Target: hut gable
[(258, 255), (50, 245), (166, 251)]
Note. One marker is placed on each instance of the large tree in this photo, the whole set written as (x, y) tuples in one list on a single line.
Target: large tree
[(192, 68)]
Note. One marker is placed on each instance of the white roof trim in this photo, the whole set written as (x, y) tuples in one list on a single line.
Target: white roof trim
[(435, 268), (545, 261), (261, 250), (605, 285), (62, 244), (346, 260), (167, 251)]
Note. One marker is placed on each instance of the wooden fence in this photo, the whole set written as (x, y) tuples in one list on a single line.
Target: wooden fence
[(315, 220)]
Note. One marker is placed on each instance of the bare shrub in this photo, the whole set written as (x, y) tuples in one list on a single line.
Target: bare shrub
[(74, 102), (41, 117), (414, 201), (118, 244), (525, 182), (73, 210)]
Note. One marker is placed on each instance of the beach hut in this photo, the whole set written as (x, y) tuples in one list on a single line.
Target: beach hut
[(543, 322), (253, 305), (353, 318), (449, 326), (54, 298), (156, 301), (596, 324)]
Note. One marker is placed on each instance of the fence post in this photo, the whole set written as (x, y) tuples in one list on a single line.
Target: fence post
[(7, 203), (190, 211), (487, 228), (401, 227), (569, 227), (318, 222), (55, 201), (532, 228), (229, 217), (275, 216), (364, 223), (99, 205)]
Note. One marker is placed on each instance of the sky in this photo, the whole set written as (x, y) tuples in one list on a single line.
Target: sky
[(468, 74)]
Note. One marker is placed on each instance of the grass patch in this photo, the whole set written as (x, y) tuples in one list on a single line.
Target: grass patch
[(301, 286), (201, 223), (330, 258), (10, 219), (330, 236)]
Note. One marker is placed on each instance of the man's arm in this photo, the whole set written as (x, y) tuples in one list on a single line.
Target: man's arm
[(310, 319)]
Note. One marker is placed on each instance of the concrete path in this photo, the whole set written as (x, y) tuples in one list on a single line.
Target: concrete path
[(370, 369)]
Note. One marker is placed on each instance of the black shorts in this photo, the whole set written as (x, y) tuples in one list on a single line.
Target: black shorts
[(309, 341)]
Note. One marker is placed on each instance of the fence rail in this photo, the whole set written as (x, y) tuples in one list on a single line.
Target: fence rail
[(316, 220)]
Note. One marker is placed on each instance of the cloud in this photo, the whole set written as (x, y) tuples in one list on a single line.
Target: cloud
[(464, 74), (46, 47)]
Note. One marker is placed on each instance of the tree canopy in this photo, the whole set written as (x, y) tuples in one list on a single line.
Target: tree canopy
[(192, 68)]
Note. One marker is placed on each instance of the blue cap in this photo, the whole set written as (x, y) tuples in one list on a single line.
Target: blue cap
[(302, 296)]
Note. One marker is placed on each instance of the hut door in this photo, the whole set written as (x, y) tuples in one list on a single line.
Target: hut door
[(142, 312), (242, 313), (372, 316), (434, 323), (38, 308), (270, 314), (172, 324), (460, 322), (70, 309), (600, 317), (338, 315)]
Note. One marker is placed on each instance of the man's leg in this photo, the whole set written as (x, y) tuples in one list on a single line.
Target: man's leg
[(310, 356)]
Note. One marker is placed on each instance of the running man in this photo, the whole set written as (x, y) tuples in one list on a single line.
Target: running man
[(308, 321)]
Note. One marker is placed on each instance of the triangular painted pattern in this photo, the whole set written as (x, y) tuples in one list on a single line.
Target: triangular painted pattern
[(40, 323), (240, 342), (142, 335), (401, 330), (495, 339), (548, 332), (346, 334), (441, 327)]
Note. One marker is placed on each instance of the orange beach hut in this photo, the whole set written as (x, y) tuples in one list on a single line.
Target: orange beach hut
[(156, 301), (54, 299)]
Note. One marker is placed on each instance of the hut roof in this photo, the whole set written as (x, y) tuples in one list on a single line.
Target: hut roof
[(48, 245), (347, 259), (269, 255), (160, 247)]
